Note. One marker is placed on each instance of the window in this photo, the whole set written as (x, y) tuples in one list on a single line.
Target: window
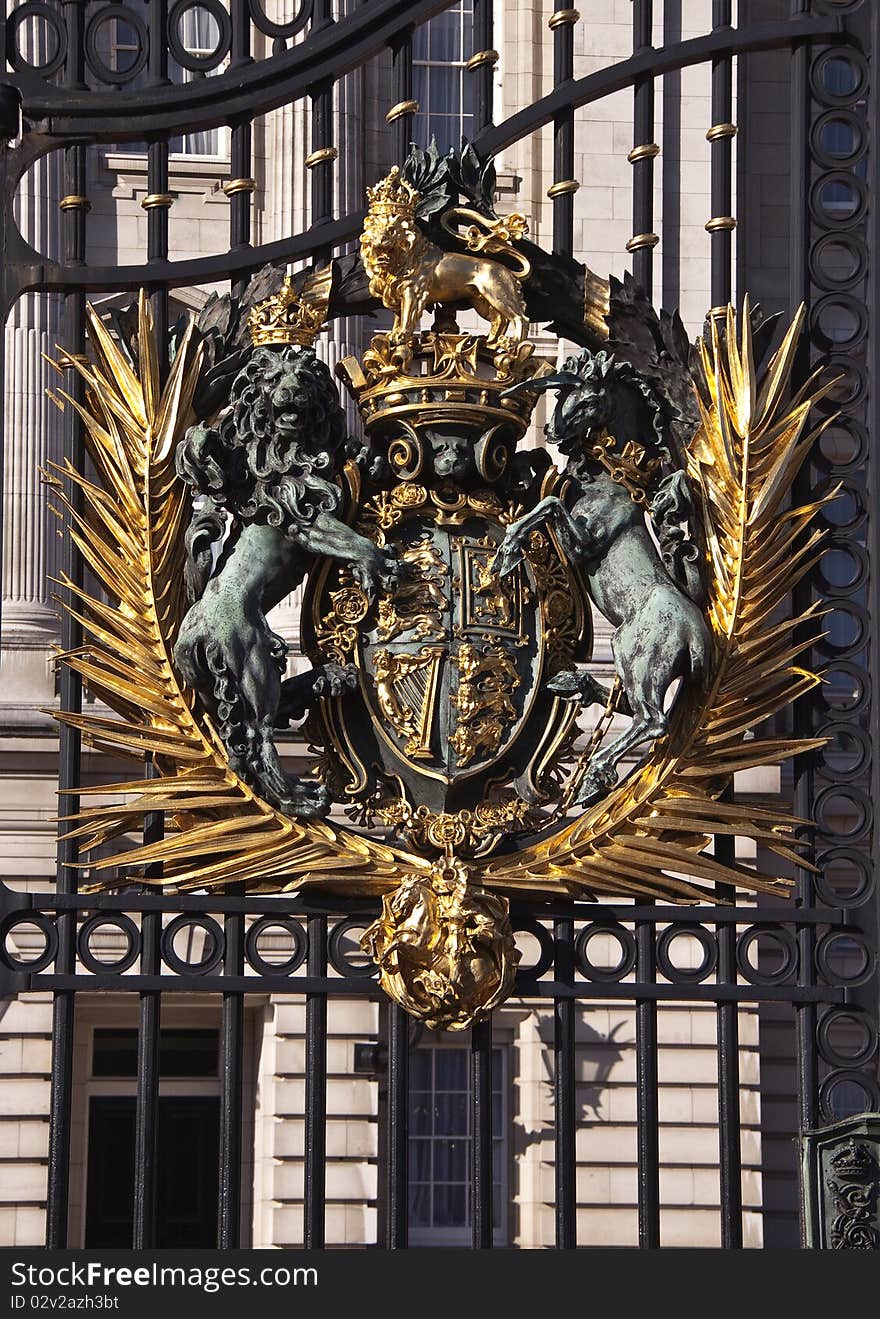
[(188, 1139), (440, 1145), (441, 84), (200, 35)]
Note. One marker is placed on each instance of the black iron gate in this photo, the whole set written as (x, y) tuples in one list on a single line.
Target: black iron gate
[(812, 962)]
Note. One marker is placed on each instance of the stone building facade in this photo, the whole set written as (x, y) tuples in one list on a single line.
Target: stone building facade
[(273, 1133)]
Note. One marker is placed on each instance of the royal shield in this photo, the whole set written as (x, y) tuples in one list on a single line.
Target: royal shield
[(452, 663)]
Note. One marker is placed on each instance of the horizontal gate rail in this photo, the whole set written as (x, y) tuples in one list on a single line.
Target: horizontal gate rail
[(29, 271)]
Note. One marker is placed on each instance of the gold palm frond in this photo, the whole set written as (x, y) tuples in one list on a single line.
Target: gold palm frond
[(129, 532), (649, 837)]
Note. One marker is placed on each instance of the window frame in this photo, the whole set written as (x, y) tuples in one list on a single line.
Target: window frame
[(425, 112), (451, 1237)]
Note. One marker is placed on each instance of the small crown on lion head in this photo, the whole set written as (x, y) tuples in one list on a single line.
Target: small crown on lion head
[(393, 195), (288, 317)]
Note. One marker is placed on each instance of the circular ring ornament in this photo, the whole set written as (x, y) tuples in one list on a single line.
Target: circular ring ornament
[(338, 955), (837, 1019), (114, 921), (210, 962), (846, 511), (843, 338), (850, 856), (832, 119), (213, 58), (846, 689), (281, 30), (846, 559), (843, 211), (833, 800), (255, 959), (94, 57), (830, 757), (841, 59), (544, 939), (605, 974), (847, 1076), (688, 974), (34, 9), (43, 922), (847, 431), (782, 939), (836, 943), (821, 255)]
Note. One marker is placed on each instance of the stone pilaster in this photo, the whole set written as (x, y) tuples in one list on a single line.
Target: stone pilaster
[(33, 436)]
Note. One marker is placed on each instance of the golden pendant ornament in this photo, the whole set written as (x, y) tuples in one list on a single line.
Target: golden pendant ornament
[(450, 576)]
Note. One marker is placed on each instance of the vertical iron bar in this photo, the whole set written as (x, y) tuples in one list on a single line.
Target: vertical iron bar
[(232, 1010), (720, 135), (401, 81), (316, 1090), (481, 1134), (564, 183), (240, 188), (564, 1090), (231, 1052), (484, 70), (799, 291), (322, 140), (646, 1085), (146, 1147), (671, 172), (727, 1027), (642, 245), (398, 1128), (73, 226), (643, 240), (314, 1216)]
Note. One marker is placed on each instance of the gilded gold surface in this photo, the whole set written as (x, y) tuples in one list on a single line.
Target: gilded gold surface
[(486, 679), (444, 948), (291, 317), (651, 832), (406, 691), (409, 273), (419, 603)]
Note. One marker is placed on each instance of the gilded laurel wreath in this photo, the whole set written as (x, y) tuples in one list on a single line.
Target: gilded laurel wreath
[(648, 837)]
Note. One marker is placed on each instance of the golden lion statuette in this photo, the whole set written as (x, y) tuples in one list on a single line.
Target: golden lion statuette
[(444, 948), (409, 273)]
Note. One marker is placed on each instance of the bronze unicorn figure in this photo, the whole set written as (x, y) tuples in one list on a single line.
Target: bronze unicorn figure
[(609, 421)]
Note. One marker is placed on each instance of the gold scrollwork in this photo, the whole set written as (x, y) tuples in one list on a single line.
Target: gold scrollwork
[(337, 633)]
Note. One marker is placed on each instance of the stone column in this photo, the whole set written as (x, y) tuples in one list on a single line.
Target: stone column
[(33, 436)]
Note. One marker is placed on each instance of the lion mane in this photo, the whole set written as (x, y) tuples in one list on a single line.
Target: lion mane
[(272, 457)]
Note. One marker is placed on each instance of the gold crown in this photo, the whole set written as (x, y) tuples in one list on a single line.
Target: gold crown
[(630, 465), (393, 195), (289, 317)]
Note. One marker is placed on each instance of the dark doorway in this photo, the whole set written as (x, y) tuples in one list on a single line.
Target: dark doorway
[(189, 1142)]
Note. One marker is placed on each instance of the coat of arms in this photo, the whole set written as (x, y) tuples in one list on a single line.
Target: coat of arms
[(463, 751)]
